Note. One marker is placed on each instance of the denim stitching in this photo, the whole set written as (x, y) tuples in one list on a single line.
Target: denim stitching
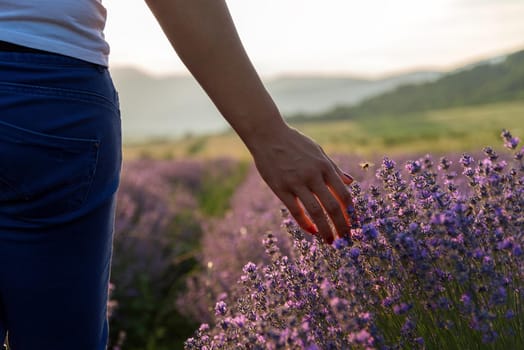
[(55, 140), (71, 94)]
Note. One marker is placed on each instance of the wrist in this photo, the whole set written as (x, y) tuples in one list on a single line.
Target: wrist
[(264, 130)]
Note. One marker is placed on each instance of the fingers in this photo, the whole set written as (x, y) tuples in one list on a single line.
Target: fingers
[(337, 181), (309, 206), (346, 178), (317, 197), (290, 201), (316, 212), (334, 205), (340, 191)]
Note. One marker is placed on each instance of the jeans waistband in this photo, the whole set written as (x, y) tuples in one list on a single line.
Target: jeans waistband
[(10, 47), (13, 53)]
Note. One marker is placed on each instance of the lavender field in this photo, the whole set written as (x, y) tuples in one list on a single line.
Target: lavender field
[(206, 258)]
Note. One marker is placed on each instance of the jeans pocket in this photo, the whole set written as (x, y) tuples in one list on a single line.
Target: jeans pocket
[(42, 175)]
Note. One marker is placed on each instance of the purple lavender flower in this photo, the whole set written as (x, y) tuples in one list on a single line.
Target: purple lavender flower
[(517, 250), (510, 142), (369, 231), (220, 308), (506, 244), (445, 163), (466, 160), (519, 154), (413, 167), (354, 252), (340, 243), (466, 299), (402, 308), (408, 326), (361, 337), (249, 268), (449, 245), (388, 164)]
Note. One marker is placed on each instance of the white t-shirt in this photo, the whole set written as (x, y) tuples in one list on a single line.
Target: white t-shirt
[(69, 27)]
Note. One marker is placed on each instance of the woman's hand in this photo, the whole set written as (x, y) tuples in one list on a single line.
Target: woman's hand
[(203, 34), (307, 181)]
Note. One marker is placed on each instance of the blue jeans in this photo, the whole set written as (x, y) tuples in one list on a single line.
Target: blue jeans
[(60, 162)]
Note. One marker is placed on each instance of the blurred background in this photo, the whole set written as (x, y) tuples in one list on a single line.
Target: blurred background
[(363, 78), (354, 75)]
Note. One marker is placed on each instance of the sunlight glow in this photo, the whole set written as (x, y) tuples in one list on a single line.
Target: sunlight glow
[(371, 37)]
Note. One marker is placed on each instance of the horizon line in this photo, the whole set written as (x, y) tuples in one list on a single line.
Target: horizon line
[(339, 74)]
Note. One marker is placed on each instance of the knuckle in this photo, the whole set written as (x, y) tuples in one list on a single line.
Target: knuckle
[(311, 177), (325, 166)]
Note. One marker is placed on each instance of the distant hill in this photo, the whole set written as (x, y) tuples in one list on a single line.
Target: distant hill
[(309, 94), (163, 107), (498, 79), (176, 105)]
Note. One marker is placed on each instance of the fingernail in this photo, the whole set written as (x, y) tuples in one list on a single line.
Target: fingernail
[(349, 178), (312, 229)]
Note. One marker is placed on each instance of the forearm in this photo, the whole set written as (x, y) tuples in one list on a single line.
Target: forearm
[(295, 167), (204, 36)]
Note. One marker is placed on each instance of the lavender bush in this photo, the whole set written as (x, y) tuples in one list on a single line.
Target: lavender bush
[(435, 262), (157, 234), (228, 243)]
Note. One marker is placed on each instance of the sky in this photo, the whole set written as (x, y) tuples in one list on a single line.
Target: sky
[(369, 38)]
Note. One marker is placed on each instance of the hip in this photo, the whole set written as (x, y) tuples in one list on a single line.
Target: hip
[(60, 136)]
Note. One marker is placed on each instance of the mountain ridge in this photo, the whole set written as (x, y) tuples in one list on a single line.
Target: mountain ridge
[(172, 106), (494, 80)]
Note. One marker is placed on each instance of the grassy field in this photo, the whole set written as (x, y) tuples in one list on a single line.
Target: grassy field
[(446, 130)]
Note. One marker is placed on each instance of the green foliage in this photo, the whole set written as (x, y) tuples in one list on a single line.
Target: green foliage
[(157, 245), (439, 334), (437, 131), (151, 320), (196, 146), (481, 84), (216, 191)]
